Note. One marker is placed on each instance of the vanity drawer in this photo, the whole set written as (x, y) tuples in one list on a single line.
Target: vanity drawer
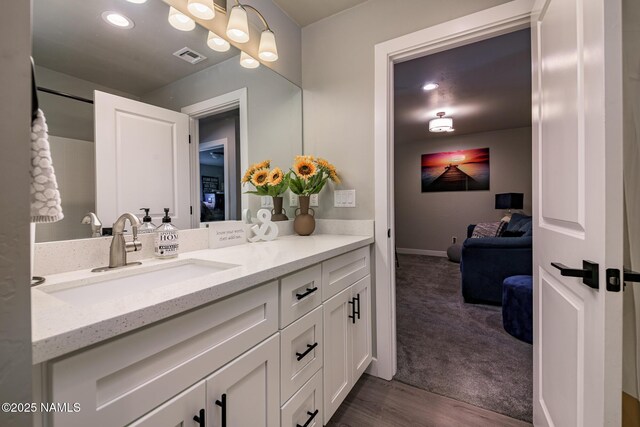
[(301, 353), (299, 294), (121, 380), (304, 404), (343, 271)]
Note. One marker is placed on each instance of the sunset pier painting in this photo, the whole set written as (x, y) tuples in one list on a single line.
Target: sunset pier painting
[(462, 170)]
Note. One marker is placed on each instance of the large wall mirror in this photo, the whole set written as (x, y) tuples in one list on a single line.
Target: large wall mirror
[(97, 79)]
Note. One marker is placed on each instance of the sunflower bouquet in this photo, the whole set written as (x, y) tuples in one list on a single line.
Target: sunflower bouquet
[(267, 182), (309, 175)]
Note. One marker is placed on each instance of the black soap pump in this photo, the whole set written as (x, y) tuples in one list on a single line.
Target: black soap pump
[(147, 226), (166, 242)]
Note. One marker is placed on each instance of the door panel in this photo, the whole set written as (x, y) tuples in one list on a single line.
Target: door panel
[(361, 337), (577, 207), (178, 412), (142, 160)]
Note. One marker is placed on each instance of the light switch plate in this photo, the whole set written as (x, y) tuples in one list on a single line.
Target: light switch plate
[(313, 200), (344, 198), (266, 201), (293, 199)]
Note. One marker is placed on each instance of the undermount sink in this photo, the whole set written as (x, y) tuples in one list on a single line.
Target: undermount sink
[(129, 282)]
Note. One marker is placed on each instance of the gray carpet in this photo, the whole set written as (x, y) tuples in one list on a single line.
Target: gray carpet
[(455, 349)]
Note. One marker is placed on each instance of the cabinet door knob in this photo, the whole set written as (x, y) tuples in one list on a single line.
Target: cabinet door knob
[(310, 348), (312, 415), (222, 403), (200, 418), (307, 293)]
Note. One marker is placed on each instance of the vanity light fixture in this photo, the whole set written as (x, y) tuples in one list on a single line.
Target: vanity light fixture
[(180, 21), (441, 124), (217, 43), (117, 20), (202, 9), (238, 31), (430, 86), (247, 61)]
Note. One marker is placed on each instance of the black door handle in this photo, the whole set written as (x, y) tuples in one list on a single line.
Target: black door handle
[(357, 310), (309, 349), (199, 418), (589, 273), (353, 310), (631, 276), (222, 403), (308, 292), (312, 415)]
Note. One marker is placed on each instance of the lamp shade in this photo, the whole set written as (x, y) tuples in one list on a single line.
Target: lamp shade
[(238, 25), (268, 51), (202, 9), (180, 21), (217, 43), (247, 61), (509, 201)]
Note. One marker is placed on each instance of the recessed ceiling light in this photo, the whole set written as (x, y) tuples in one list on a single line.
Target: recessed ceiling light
[(137, 1), (117, 19), (430, 86)]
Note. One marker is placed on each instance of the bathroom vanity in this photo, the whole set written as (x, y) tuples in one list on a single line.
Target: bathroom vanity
[(269, 334)]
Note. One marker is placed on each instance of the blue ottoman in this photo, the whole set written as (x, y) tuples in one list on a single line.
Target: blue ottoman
[(517, 307)]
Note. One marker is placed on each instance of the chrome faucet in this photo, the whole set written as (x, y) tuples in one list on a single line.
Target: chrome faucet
[(95, 223), (120, 247)]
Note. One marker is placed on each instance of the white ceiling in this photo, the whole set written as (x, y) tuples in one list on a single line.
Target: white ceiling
[(484, 86), (305, 12), (70, 36)]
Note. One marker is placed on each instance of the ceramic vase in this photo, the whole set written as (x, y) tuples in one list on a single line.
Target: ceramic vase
[(278, 213), (305, 223)]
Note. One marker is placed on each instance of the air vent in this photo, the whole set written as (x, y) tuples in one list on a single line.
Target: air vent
[(189, 55)]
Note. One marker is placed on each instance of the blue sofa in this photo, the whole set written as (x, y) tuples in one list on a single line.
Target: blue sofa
[(487, 261)]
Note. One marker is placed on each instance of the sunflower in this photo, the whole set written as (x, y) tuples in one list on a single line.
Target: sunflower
[(333, 176), (260, 176), (247, 176), (265, 164), (304, 168), (275, 177), (324, 163), (307, 158)]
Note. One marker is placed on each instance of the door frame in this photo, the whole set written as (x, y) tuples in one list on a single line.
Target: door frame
[(208, 145), (219, 104), (478, 26)]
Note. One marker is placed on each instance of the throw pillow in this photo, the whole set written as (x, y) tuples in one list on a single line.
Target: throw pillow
[(485, 229)]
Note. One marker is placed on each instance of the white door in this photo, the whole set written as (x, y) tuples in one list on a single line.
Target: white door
[(179, 411), (142, 160), (361, 330), (337, 351), (577, 182), (246, 392)]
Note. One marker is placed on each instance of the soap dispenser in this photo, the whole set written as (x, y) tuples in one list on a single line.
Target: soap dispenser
[(147, 226), (166, 242)]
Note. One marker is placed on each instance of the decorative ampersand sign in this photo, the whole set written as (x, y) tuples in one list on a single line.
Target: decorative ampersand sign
[(267, 230)]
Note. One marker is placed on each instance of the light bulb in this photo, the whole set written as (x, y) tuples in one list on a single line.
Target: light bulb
[(217, 43), (202, 9), (268, 51), (117, 19), (238, 25), (180, 21), (247, 61)]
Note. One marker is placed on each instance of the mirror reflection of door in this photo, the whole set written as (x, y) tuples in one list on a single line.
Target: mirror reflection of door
[(219, 166)]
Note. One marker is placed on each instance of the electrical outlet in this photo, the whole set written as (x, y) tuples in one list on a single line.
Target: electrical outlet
[(266, 202), (454, 239), (293, 199), (344, 198), (313, 200)]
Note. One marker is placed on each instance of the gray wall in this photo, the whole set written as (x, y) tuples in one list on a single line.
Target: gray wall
[(69, 118), (337, 77), (427, 221), (15, 301)]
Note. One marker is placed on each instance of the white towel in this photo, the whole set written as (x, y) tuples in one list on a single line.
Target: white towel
[(45, 197)]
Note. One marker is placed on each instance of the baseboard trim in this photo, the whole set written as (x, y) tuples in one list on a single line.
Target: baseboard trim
[(429, 252)]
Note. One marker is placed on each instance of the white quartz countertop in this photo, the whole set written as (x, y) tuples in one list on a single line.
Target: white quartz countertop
[(59, 327)]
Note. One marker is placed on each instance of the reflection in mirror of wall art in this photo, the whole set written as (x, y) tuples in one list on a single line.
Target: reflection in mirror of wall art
[(462, 170)]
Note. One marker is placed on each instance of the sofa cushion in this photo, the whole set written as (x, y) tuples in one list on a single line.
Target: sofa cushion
[(486, 229), (519, 222)]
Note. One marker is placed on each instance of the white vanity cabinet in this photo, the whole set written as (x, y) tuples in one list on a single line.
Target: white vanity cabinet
[(284, 353)]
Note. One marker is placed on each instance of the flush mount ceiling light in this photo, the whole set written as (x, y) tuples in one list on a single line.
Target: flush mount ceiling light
[(441, 124), (238, 31), (117, 20), (202, 9), (247, 61), (180, 21), (137, 1), (217, 43), (430, 86)]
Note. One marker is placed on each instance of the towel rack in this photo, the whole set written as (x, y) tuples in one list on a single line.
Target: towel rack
[(34, 93)]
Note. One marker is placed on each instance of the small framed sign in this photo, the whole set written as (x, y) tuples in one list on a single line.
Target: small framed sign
[(210, 184)]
